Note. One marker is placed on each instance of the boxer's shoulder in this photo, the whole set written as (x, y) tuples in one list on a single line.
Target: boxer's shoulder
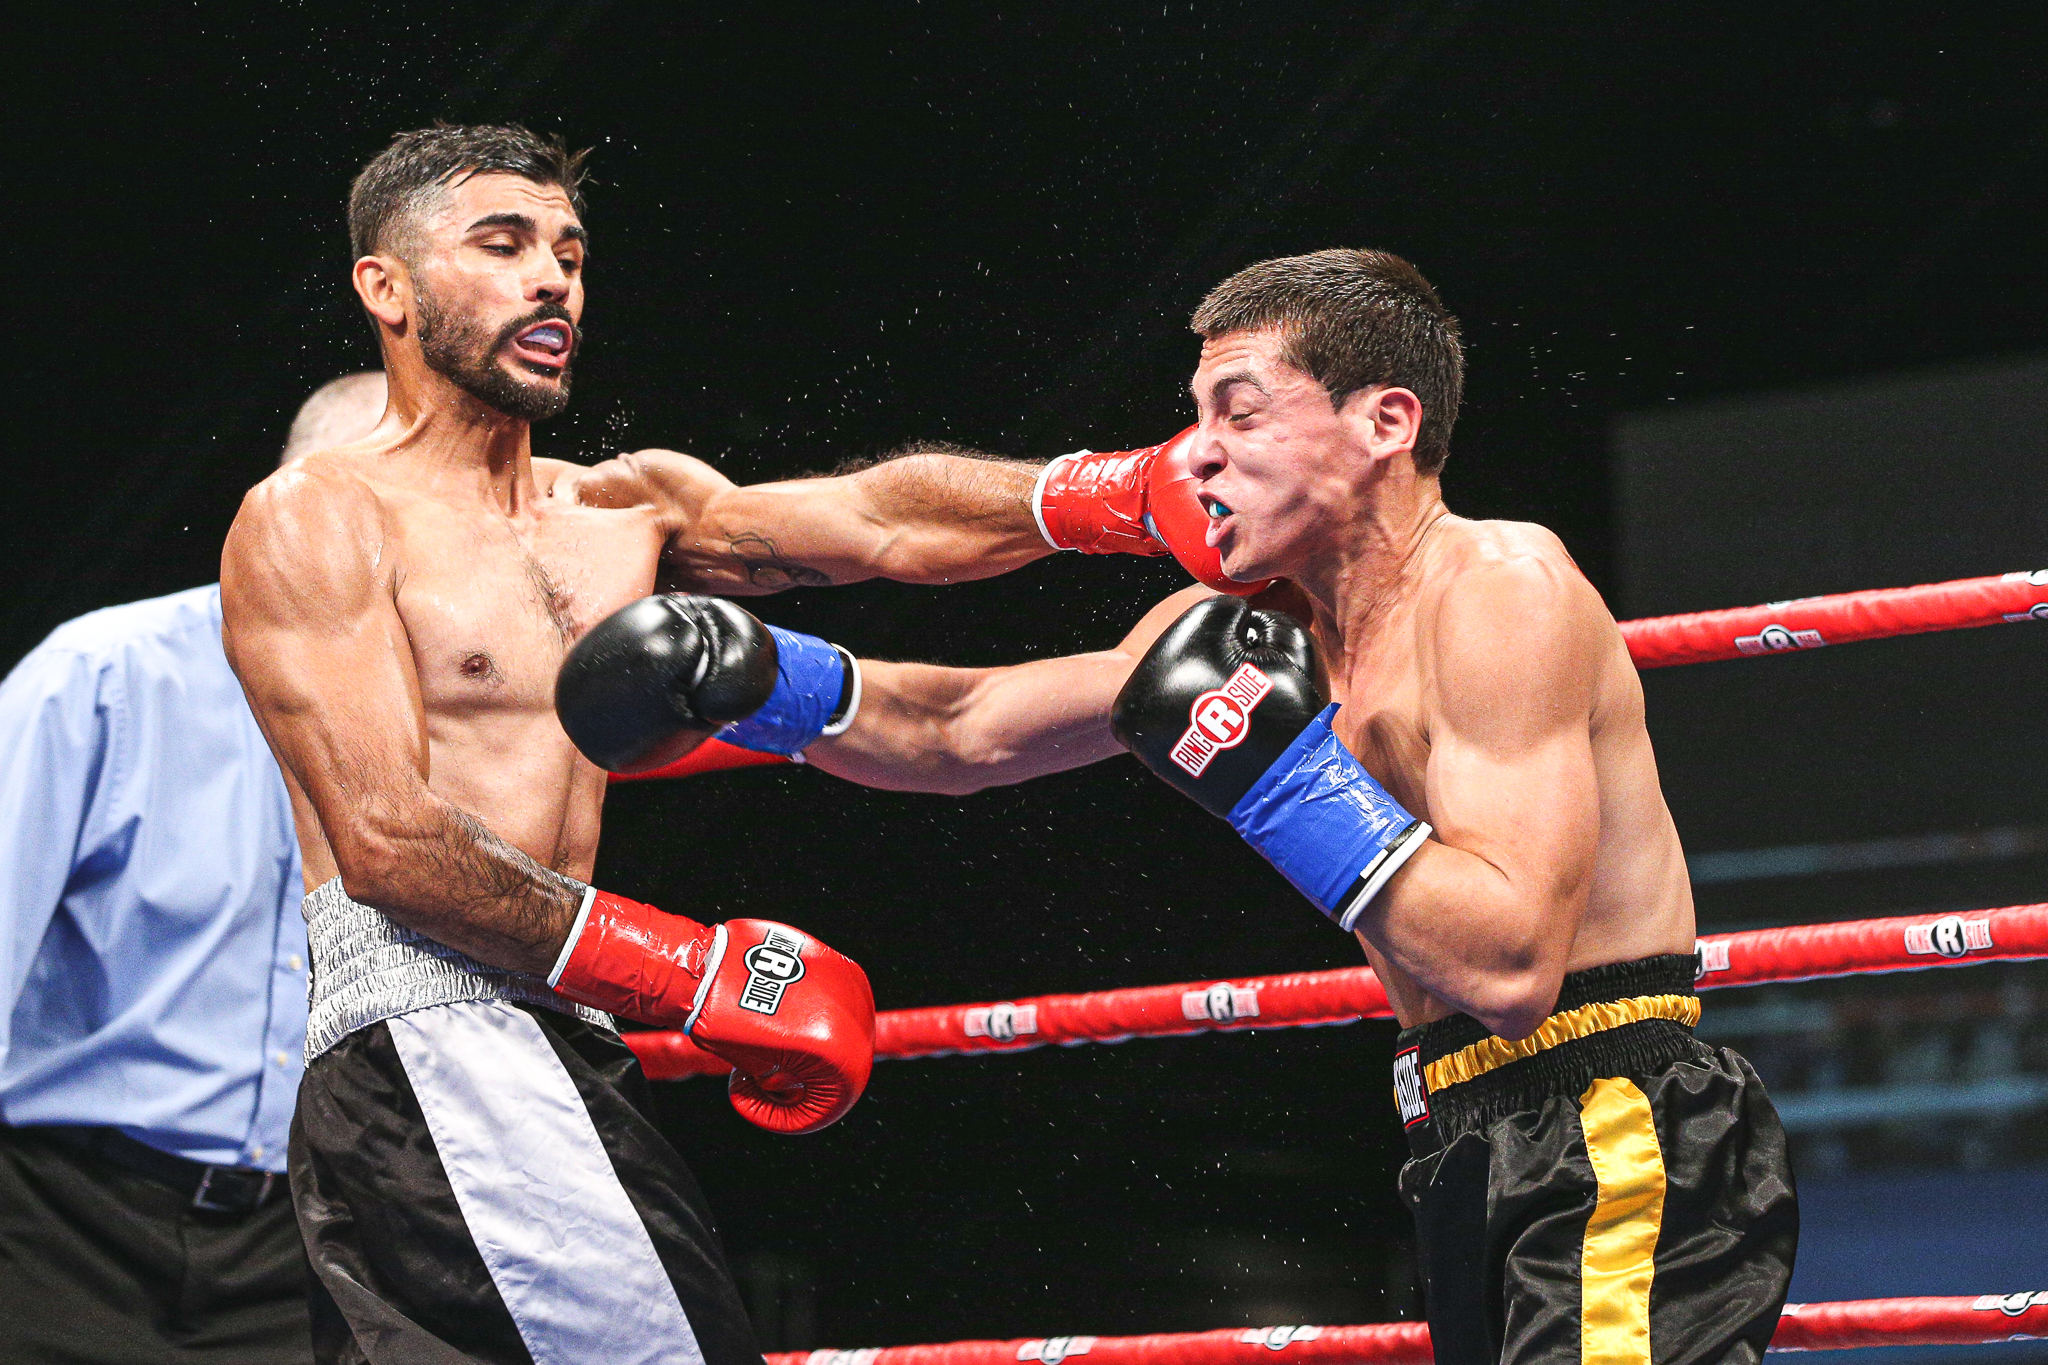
[(1515, 564), (663, 479), (316, 500), (310, 541), (1465, 545), (1507, 597)]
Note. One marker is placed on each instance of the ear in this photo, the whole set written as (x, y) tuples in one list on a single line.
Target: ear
[(1384, 422), (385, 288)]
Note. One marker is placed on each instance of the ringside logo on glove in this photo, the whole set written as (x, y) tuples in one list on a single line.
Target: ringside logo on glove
[(1220, 719), (773, 966)]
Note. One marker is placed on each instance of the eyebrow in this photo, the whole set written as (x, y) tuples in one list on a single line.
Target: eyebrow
[(1223, 382), (519, 222)]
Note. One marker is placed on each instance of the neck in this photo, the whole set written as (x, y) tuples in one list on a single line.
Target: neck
[(1373, 564), (450, 438)]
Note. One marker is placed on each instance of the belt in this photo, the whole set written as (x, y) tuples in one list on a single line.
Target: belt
[(214, 1189)]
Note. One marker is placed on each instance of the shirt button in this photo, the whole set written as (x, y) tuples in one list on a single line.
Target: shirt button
[(256, 1152), (283, 1058), (294, 962)]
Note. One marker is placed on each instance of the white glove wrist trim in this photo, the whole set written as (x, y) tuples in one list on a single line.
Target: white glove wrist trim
[(840, 726), (575, 933), (1391, 861), (1038, 495), (711, 964)]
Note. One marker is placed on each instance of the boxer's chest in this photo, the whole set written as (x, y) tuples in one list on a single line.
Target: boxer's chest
[(491, 605), (1383, 720)]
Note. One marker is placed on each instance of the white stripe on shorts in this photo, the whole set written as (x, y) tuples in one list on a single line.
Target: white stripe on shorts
[(563, 1243)]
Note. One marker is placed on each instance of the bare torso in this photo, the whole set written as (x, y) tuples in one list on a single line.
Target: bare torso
[(490, 602), (1639, 901)]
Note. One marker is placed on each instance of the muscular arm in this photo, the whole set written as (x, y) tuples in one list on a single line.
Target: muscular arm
[(1484, 915), (957, 730), (923, 517), (311, 626)]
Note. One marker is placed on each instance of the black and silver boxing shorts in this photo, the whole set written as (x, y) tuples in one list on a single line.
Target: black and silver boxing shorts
[(478, 1184), (1607, 1191)]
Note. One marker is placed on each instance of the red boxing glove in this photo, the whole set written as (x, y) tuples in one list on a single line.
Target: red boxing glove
[(1095, 503), (1139, 502), (794, 1018)]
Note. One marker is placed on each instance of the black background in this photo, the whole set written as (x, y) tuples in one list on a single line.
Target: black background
[(824, 230)]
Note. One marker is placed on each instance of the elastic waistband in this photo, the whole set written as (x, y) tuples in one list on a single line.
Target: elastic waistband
[(1453, 1076), (368, 967)]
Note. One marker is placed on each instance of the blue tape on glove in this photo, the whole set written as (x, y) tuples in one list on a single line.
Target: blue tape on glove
[(1319, 817), (810, 678)]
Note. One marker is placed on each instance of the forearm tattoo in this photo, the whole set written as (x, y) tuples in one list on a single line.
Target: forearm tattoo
[(767, 567)]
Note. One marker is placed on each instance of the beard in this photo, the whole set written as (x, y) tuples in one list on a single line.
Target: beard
[(459, 349)]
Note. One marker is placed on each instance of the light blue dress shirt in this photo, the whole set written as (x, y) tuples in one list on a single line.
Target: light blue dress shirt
[(152, 954)]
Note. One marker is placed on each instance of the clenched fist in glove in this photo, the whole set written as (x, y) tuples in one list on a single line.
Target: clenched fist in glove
[(795, 1018), (656, 677), (1138, 502), (1225, 707)]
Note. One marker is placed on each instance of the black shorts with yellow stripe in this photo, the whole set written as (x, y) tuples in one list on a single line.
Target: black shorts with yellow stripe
[(1607, 1191)]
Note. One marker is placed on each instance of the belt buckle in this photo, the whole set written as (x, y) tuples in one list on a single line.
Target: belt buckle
[(244, 1188)]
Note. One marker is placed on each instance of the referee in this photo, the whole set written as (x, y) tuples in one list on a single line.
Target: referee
[(152, 988)]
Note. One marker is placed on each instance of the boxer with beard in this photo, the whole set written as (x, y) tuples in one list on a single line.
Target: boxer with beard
[(474, 1173)]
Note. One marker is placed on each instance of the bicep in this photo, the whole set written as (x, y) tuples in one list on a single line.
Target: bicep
[(312, 629), (1532, 811), (743, 541), (763, 538), (1511, 775), (923, 517)]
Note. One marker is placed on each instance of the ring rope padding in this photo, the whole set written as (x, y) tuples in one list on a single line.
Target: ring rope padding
[(1801, 952), (1802, 1327), (1811, 622)]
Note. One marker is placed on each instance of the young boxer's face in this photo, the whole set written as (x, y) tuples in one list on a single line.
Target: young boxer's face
[(1279, 469), (498, 292)]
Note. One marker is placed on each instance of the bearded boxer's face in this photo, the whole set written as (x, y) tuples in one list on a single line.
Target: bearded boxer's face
[(497, 274), (1280, 468)]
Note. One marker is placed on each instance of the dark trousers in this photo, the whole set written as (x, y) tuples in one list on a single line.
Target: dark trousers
[(103, 1266)]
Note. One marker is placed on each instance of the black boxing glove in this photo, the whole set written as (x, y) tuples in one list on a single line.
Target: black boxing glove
[(1225, 707), (660, 675), (1218, 698)]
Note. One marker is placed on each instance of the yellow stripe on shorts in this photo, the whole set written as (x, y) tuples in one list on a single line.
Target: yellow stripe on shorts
[(1618, 1263)]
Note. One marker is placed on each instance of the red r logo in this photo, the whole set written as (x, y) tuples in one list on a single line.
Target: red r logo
[(1220, 718)]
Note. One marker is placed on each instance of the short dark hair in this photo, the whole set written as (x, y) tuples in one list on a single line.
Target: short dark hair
[(1353, 320), (420, 163)]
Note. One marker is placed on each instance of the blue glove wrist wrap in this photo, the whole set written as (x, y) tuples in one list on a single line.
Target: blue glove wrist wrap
[(810, 685), (1318, 816)]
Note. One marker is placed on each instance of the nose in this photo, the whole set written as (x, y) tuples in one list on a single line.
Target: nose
[(553, 284)]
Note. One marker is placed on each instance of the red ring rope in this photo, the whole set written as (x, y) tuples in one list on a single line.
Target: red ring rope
[(1307, 999), (1810, 622), (1804, 1327)]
